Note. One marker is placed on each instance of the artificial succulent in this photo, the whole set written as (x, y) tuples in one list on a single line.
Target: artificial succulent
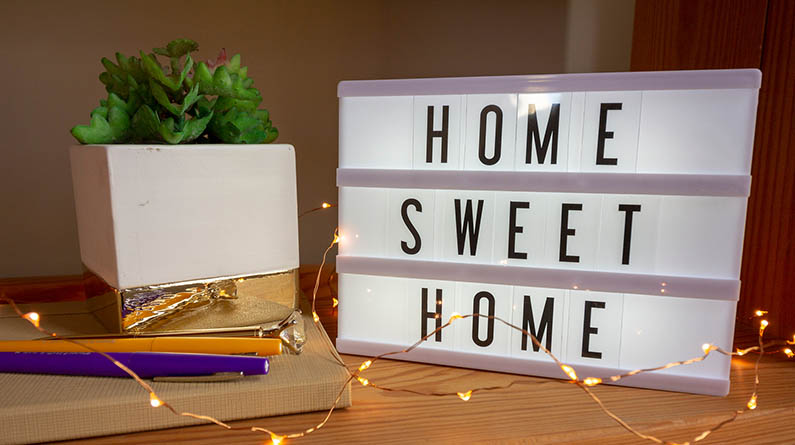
[(211, 102)]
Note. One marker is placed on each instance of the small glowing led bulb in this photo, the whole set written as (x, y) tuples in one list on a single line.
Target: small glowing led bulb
[(762, 325), (277, 439), (363, 381), (315, 317), (752, 402), (760, 313), (365, 365), (325, 205), (465, 395), (592, 381), (569, 371), (455, 316), (33, 318), (708, 348), (789, 352), (154, 401)]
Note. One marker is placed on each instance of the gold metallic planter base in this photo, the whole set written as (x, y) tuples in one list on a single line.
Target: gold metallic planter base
[(210, 304)]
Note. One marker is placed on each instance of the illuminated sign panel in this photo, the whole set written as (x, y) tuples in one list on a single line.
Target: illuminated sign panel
[(602, 212)]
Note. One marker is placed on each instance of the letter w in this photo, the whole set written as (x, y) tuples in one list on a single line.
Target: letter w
[(466, 227)]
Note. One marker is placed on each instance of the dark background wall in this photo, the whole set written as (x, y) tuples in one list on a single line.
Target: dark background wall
[(297, 52)]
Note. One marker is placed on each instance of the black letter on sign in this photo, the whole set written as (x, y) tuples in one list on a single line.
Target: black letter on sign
[(404, 212), (534, 135), (432, 315), (587, 330), (565, 232), (497, 135), (436, 134), (604, 134), (467, 226), (544, 326), (513, 229), (629, 208), (476, 322)]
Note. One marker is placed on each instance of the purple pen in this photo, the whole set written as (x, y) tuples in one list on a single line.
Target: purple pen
[(145, 364)]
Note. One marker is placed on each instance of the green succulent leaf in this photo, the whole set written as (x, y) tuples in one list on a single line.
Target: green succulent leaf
[(225, 103), (101, 110), (97, 132), (243, 127), (177, 48), (145, 124), (188, 131), (119, 122), (224, 83), (155, 71)]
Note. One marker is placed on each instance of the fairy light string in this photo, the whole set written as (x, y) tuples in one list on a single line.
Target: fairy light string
[(354, 373)]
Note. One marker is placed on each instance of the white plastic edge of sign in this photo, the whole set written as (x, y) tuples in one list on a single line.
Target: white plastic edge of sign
[(669, 286), (547, 83), (558, 182), (696, 385)]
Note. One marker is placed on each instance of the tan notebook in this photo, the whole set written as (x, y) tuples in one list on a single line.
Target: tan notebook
[(43, 408)]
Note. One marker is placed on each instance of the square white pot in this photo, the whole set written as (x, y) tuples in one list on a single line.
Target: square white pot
[(153, 214)]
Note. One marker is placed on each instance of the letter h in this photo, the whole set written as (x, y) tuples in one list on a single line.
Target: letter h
[(437, 134), (437, 315)]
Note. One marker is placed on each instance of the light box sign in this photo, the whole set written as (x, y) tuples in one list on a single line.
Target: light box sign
[(604, 213)]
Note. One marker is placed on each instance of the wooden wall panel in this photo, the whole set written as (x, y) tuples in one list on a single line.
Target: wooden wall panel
[(769, 253), (743, 34), (697, 34)]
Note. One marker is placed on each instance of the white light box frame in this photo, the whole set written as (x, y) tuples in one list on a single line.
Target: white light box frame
[(602, 212)]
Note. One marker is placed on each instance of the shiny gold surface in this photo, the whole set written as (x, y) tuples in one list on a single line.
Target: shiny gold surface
[(212, 304)]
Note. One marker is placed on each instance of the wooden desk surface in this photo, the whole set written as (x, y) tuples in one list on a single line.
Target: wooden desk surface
[(533, 411)]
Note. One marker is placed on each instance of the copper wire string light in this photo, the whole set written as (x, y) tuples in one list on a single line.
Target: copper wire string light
[(354, 373)]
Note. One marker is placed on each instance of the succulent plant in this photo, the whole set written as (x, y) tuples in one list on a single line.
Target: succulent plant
[(185, 102)]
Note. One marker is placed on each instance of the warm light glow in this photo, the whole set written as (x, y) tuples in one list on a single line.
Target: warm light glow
[(334, 302), (762, 327), (315, 317), (752, 402), (760, 312), (465, 395), (325, 205), (745, 351), (363, 381), (592, 381), (154, 401), (33, 318), (793, 340), (789, 353), (708, 348), (455, 316), (277, 439), (569, 371), (365, 365)]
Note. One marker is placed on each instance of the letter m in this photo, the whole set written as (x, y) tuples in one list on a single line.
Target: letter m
[(544, 330), (550, 135)]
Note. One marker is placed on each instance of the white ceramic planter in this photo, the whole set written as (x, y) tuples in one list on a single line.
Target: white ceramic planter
[(151, 214)]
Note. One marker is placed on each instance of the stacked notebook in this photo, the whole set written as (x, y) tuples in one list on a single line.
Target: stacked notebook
[(44, 408)]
